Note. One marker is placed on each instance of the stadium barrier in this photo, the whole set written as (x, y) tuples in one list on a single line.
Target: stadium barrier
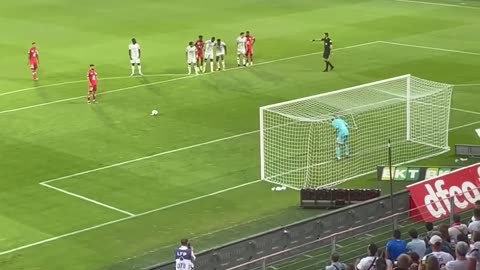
[(303, 236), (309, 243)]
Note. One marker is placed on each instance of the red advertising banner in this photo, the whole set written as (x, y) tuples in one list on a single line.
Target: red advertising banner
[(431, 198)]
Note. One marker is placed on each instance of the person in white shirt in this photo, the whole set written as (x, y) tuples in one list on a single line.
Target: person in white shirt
[(443, 257), (191, 54), (221, 51), (368, 263), (336, 265), (473, 256), (184, 256), (209, 47), (475, 225), (460, 263), (135, 53), (241, 49)]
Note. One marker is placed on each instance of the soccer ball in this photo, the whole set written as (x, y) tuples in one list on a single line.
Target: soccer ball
[(154, 112)]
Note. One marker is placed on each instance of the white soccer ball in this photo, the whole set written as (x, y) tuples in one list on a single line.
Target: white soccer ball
[(154, 112)]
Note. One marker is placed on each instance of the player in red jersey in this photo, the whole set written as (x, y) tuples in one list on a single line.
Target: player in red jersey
[(199, 44), (249, 47), (33, 60), (92, 84)]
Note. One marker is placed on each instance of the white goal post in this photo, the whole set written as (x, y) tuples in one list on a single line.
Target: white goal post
[(298, 141)]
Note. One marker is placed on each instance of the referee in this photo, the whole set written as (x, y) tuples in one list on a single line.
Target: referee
[(327, 50)]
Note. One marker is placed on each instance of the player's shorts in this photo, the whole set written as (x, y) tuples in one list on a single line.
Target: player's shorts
[(249, 51), (209, 56), (342, 138), (200, 55), (326, 55), (92, 87), (135, 60), (33, 64), (240, 51), (220, 54), (191, 60)]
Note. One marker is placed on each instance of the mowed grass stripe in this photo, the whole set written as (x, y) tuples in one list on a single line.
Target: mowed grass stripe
[(181, 78), (127, 218), (84, 81)]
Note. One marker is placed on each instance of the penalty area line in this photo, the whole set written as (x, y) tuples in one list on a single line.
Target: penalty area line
[(125, 218), (437, 4), (88, 199), (183, 78), (85, 81)]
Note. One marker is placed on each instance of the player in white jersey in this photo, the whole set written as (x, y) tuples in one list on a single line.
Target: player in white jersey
[(135, 54), (241, 49), (221, 51), (191, 54), (209, 46)]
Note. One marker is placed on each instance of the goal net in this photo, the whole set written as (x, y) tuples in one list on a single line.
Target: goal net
[(298, 141)]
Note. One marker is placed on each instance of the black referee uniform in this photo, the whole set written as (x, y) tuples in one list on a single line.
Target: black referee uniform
[(327, 50)]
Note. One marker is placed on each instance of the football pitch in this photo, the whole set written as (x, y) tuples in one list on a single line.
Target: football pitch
[(107, 186)]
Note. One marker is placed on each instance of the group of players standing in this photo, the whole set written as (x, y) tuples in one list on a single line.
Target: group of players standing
[(199, 53)]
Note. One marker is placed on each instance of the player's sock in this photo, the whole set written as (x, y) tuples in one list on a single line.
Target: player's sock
[(88, 98), (189, 69), (196, 70), (330, 64), (223, 64), (133, 70), (347, 150), (238, 60), (243, 61), (211, 66), (338, 151), (326, 66), (139, 69)]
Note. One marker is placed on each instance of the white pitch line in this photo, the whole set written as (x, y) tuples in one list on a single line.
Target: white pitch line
[(430, 48), (151, 156), (125, 218), (84, 81), (437, 4), (463, 126), (467, 84), (88, 199), (182, 78), (151, 211)]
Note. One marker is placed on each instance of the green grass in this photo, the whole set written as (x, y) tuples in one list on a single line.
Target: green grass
[(42, 139)]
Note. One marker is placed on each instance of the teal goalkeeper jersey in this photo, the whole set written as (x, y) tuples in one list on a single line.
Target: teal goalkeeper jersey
[(341, 126)]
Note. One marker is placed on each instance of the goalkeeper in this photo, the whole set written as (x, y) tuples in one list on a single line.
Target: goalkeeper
[(342, 137)]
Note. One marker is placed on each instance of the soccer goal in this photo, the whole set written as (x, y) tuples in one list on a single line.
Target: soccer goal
[(297, 139)]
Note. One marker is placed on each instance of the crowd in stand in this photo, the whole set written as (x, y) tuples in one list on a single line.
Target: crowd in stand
[(443, 247)]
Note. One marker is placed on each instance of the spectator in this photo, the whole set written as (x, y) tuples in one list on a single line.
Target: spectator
[(381, 264), (475, 225), (445, 245), (473, 256), (460, 263), (403, 262), (336, 265), (381, 255), (350, 267), (443, 257), (396, 246), (184, 254), (462, 238), (416, 245), (428, 234), (415, 261), (368, 263), (477, 205), (431, 264), (457, 227), (443, 229)]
